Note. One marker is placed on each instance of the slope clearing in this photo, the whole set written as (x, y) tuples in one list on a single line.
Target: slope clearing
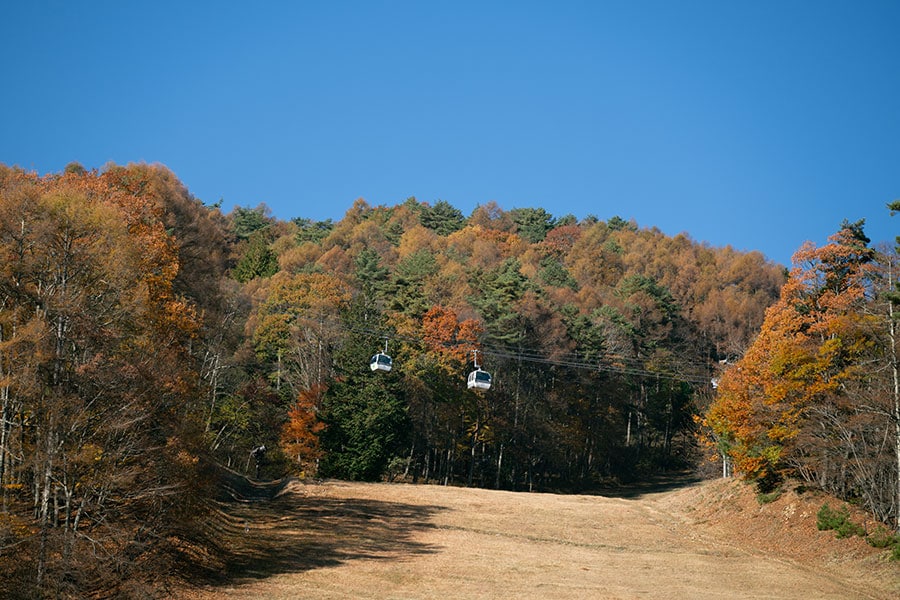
[(697, 540)]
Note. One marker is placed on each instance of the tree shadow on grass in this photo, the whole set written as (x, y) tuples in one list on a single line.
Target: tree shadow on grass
[(267, 532), (656, 484)]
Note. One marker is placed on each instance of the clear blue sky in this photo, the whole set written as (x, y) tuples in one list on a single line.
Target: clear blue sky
[(756, 124)]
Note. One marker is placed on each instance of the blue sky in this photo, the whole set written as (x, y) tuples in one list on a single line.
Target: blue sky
[(753, 124)]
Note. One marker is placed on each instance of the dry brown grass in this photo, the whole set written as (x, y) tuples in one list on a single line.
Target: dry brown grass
[(699, 540)]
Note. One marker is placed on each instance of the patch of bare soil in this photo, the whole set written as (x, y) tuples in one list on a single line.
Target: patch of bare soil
[(697, 540)]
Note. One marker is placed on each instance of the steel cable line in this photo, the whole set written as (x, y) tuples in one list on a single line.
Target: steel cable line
[(619, 364)]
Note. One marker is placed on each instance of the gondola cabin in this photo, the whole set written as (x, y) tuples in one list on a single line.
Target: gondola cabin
[(381, 362), (479, 380)]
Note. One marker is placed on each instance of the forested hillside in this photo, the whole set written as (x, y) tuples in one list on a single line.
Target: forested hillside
[(601, 339), (146, 337)]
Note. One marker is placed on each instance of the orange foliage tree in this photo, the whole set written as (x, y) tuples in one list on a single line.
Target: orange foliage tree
[(300, 434), (810, 347)]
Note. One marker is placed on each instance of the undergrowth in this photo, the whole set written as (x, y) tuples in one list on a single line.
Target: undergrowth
[(766, 498), (839, 521)]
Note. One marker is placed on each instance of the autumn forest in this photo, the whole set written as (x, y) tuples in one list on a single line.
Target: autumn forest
[(151, 343)]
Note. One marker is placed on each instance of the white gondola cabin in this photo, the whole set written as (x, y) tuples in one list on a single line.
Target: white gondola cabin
[(479, 380), (381, 361)]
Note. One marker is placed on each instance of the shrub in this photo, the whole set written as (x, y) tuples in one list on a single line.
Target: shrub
[(762, 498), (827, 518), (839, 521), (884, 538)]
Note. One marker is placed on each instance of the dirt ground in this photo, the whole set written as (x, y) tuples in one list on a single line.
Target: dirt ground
[(679, 539)]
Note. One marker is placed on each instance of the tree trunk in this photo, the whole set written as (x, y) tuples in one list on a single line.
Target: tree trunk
[(471, 476), (499, 467), (5, 459), (628, 430), (448, 466), (46, 488), (409, 460), (896, 407), (213, 388)]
